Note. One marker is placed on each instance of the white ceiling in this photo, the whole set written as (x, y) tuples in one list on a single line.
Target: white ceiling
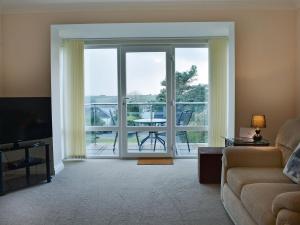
[(46, 5)]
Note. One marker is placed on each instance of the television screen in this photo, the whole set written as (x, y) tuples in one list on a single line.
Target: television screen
[(25, 118)]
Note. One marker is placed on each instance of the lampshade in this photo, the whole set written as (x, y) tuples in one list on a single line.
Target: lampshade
[(258, 121)]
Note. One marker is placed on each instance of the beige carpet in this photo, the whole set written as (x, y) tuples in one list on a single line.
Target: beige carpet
[(155, 161), (117, 192)]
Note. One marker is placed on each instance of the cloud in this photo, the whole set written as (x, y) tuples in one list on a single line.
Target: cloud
[(145, 70)]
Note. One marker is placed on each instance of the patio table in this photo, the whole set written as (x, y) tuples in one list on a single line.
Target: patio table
[(152, 122)]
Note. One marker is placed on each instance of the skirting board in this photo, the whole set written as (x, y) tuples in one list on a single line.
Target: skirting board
[(58, 168)]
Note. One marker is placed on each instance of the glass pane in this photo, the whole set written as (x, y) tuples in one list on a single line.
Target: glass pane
[(146, 88), (187, 142), (147, 142), (101, 101), (191, 66), (101, 87), (191, 71)]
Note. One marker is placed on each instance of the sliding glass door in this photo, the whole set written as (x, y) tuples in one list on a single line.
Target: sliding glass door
[(145, 91), (146, 101)]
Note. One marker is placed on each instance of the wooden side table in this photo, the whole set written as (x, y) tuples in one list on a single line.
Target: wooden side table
[(210, 159), (245, 142), (210, 164)]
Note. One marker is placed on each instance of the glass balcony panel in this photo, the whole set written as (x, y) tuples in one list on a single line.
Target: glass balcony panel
[(199, 111), (101, 114), (147, 142), (102, 143), (187, 142), (146, 114)]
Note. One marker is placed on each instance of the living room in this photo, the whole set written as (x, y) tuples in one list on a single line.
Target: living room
[(265, 71)]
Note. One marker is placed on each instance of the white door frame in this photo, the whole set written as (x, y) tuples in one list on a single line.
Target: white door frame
[(122, 99)]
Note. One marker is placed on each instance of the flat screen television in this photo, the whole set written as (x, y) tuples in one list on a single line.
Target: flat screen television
[(25, 118)]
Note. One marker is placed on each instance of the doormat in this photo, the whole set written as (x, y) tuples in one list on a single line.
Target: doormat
[(155, 161)]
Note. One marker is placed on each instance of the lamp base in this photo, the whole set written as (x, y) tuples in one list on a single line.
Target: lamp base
[(257, 136)]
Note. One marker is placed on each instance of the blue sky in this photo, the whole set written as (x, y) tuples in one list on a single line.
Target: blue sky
[(145, 71)]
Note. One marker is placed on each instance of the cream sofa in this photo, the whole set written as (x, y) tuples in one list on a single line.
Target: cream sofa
[(254, 189)]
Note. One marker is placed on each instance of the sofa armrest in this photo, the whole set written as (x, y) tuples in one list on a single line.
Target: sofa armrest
[(240, 156), (288, 217), (287, 200)]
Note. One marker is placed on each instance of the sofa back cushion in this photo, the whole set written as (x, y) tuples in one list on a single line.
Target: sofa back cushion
[(288, 138)]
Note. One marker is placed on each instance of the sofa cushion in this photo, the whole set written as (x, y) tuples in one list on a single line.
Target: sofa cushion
[(257, 200), (240, 176), (288, 138)]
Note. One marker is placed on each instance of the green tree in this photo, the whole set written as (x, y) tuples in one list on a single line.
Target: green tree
[(185, 90)]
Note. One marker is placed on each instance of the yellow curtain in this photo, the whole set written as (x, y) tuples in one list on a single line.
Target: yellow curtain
[(218, 74), (73, 88)]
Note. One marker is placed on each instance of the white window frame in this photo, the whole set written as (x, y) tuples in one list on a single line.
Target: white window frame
[(128, 31), (171, 129)]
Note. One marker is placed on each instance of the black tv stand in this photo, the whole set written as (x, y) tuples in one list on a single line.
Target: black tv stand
[(16, 145), (25, 162)]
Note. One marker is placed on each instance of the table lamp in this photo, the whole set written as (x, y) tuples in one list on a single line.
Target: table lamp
[(258, 121)]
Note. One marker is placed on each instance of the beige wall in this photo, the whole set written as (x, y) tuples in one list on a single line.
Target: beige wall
[(265, 54), (1, 66), (298, 65)]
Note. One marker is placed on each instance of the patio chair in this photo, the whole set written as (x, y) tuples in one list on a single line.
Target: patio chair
[(113, 121), (159, 115), (183, 120)]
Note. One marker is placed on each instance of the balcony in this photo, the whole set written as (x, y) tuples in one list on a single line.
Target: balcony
[(101, 120)]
